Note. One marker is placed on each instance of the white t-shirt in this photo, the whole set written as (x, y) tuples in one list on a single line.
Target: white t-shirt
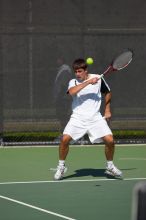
[(86, 103)]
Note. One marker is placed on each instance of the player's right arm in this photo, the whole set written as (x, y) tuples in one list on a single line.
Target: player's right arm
[(77, 88)]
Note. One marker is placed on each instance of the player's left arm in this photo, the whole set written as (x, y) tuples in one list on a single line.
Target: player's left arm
[(107, 96), (107, 111)]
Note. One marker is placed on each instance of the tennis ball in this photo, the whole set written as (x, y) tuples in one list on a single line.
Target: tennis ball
[(89, 61)]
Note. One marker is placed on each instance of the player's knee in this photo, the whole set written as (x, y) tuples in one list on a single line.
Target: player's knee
[(66, 139), (109, 140)]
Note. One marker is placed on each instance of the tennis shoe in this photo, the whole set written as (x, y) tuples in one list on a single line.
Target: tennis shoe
[(60, 172), (113, 171)]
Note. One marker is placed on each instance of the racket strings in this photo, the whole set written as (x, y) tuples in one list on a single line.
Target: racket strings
[(123, 60)]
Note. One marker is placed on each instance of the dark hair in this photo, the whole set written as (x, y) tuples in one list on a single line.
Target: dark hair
[(79, 63)]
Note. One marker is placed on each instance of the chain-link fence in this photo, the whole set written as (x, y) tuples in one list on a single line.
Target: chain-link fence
[(39, 40)]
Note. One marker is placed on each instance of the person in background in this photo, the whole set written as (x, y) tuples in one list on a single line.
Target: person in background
[(61, 99)]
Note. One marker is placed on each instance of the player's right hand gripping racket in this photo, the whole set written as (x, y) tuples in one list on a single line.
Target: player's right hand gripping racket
[(120, 62)]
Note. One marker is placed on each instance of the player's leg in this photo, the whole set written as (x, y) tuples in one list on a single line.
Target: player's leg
[(111, 169), (64, 146), (109, 147), (73, 130), (63, 151)]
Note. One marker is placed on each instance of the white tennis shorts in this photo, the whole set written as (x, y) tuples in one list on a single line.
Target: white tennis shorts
[(96, 129)]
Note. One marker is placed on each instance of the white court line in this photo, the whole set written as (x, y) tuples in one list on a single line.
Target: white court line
[(69, 181), (132, 158), (53, 169), (74, 146), (35, 207)]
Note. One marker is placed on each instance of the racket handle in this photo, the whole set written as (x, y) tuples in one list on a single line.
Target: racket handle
[(108, 70), (99, 77)]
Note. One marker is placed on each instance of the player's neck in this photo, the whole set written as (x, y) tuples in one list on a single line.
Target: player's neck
[(88, 76)]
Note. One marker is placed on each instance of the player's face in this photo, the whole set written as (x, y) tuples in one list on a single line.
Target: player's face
[(81, 74)]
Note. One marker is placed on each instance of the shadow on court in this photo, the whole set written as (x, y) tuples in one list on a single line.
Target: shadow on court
[(92, 172), (87, 172)]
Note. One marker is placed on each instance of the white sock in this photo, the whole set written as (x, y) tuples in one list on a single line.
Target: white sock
[(61, 162), (109, 163)]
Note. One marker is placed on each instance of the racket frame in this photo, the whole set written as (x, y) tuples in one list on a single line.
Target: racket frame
[(111, 66)]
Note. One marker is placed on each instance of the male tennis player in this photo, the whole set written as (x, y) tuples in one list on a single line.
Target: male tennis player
[(86, 90)]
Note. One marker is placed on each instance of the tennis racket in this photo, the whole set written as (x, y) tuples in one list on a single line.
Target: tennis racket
[(120, 62)]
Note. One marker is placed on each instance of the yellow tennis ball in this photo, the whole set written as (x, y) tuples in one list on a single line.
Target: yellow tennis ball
[(89, 61)]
